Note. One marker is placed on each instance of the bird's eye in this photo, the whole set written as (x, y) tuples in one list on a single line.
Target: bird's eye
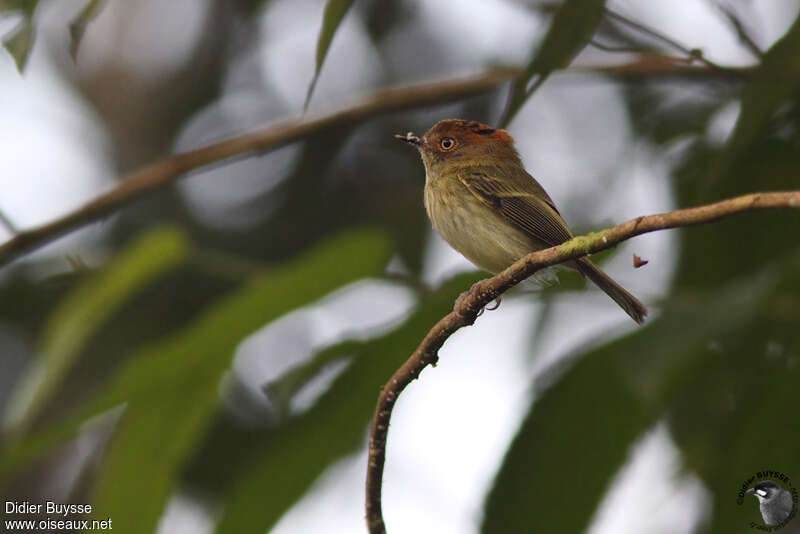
[(447, 143)]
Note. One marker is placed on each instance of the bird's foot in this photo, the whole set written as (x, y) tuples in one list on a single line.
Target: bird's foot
[(497, 301), (460, 301)]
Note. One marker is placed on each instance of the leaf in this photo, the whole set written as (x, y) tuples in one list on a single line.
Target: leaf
[(78, 26), (730, 401), (170, 389), (775, 80), (20, 43), (569, 447), (281, 391), (281, 466), (332, 17), (27, 7), (580, 430), (573, 26), (85, 310)]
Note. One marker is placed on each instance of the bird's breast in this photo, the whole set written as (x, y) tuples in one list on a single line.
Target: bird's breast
[(471, 227)]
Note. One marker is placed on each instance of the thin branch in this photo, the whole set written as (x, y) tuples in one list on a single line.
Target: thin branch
[(691, 53), (650, 65), (628, 49), (482, 293), (164, 172), (741, 32), (8, 224)]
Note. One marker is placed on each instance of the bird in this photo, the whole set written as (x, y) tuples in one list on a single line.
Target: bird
[(483, 202), (775, 502)]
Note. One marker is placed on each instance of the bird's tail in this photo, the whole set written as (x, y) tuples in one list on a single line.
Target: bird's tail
[(626, 301)]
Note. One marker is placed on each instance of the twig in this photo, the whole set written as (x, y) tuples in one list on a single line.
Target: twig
[(744, 37), (164, 172), (691, 53), (8, 224), (482, 293), (648, 65), (611, 48)]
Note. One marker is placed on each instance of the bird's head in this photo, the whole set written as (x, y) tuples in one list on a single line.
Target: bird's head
[(459, 142), (764, 491)]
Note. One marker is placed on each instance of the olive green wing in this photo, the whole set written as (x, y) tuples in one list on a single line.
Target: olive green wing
[(521, 200)]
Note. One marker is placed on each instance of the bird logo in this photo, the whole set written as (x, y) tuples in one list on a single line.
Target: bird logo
[(775, 503)]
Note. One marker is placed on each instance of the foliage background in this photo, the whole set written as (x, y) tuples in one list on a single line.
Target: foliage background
[(135, 352)]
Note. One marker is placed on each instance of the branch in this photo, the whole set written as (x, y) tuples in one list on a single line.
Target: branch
[(739, 28), (135, 185), (164, 172), (469, 304), (8, 224), (691, 53)]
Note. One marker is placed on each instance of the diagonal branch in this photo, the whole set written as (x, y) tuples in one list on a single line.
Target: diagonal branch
[(691, 53), (8, 224), (739, 28), (164, 172), (482, 293)]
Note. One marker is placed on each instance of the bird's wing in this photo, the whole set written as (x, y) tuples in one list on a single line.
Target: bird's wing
[(523, 202)]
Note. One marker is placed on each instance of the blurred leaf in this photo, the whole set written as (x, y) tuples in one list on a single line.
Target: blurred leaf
[(580, 430), (282, 466), (84, 310), (569, 447), (281, 391), (20, 43), (335, 10), (713, 255), (729, 401), (573, 26), (78, 26), (171, 389), (776, 79), (27, 7)]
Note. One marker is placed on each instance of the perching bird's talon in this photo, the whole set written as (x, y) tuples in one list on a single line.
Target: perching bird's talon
[(497, 301)]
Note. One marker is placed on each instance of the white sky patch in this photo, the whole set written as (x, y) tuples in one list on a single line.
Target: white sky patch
[(289, 43)]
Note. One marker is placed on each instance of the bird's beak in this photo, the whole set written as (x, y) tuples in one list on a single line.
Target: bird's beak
[(409, 138), (750, 491)]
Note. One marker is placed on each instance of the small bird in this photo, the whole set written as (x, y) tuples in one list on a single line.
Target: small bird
[(774, 501), (482, 201)]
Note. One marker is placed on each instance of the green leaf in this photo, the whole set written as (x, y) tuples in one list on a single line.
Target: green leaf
[(27, 7), (282, 391), (282, 465), (334, 13), (78, 26), (569, 447), (20, 43), (170, 389), (580, 430), (85, 310), (573, 26), (775, 81), (730, 401)]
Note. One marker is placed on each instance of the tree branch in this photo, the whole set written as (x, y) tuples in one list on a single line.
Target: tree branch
[(164, 172), (739, 28), (691, 53), (482, 293), (8, 224)]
